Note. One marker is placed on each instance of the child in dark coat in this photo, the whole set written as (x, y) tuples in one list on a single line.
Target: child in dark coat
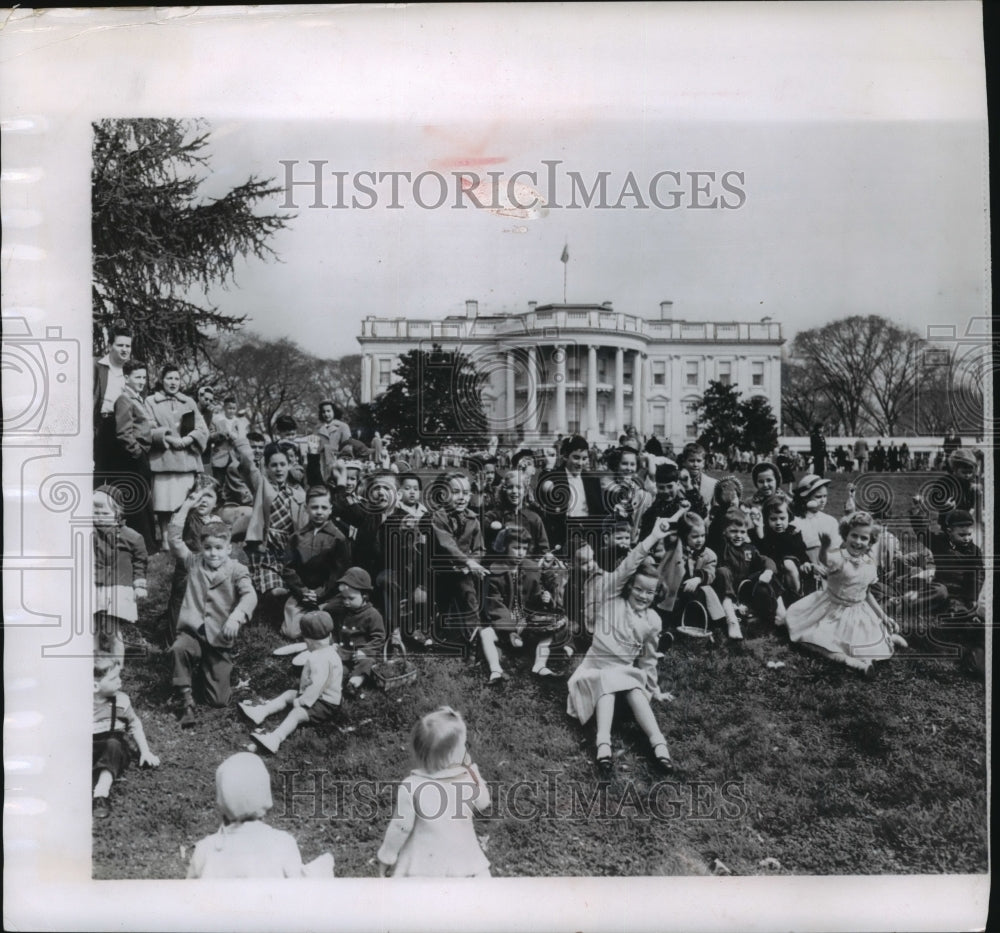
[(358, 629), (524, 599), (744, 571), (778, 539), (317, 557)]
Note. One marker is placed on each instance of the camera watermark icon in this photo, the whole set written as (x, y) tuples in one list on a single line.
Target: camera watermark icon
[(956, 373), (41, 382)]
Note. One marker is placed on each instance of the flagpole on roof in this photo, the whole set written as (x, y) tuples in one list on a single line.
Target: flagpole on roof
[(564, 259)]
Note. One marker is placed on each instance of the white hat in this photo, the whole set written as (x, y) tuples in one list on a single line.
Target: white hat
[(243, 787)]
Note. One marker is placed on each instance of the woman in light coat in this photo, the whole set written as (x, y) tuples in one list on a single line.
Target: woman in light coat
[(179, 435)]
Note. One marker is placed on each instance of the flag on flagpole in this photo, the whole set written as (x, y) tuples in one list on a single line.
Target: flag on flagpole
[(565, 254)]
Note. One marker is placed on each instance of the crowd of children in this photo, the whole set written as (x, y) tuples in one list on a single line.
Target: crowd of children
[(341, 556)]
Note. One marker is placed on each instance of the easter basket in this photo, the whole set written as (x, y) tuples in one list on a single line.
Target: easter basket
[(394, 672), (694, 621)]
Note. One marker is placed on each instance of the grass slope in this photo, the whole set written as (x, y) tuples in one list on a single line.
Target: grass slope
[(805, 763)]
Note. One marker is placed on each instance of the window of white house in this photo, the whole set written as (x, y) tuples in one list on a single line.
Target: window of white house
[(691, 372), (659, 419), (757, 373), (384, 372), (726, 372), (691, 419), (602, 369), (659, 375)]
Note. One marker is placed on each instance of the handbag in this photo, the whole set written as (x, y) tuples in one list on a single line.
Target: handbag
[(396, 672)]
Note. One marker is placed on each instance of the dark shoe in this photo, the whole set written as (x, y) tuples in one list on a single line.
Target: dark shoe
[(102, 808), (187, 716), (496, 678), (605, 762), (662, 756)]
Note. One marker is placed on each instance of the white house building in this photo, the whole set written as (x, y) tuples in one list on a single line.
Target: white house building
[(562, 368)]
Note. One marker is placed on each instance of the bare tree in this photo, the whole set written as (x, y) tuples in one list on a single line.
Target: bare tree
[(267, 377)]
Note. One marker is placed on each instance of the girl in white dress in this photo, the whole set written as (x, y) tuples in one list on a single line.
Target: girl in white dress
[(844, 622)]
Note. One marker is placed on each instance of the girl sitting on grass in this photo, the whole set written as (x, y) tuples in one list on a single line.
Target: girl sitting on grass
[(844, 622), (431, 833), (622, 657)]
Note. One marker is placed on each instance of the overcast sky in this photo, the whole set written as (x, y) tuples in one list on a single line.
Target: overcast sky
[(835, 218), (858, 130)]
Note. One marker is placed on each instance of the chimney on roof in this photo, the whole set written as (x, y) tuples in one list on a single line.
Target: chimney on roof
[(606, 304), (532, 305), (471, 309), (666, 310)]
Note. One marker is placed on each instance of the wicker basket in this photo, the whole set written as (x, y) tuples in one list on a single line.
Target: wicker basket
[(694, 621), (397, 672)]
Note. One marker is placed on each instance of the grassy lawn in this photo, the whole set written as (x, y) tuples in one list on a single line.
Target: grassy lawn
[(804, 762)]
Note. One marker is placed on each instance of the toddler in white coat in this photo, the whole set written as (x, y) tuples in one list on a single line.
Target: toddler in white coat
[(431, 833)]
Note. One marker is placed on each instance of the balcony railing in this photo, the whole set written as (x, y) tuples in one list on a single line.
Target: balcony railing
[(570, 321)]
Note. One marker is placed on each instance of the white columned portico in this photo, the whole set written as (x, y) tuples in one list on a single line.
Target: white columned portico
[(642, 361), (366, 379), (619, 391), (592, 389), (560, 354), (531, 401), (511, 398)]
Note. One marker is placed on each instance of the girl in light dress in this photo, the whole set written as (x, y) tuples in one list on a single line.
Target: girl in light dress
[(431, 834), (844, 622), (622, 658)]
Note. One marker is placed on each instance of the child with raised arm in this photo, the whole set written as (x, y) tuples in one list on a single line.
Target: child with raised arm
[(778, 539), (844, 622), (204, 511), (244, 846), (113, 714), (120, 561), (431, 834), (218, 600), (317, 700), (622, 657)]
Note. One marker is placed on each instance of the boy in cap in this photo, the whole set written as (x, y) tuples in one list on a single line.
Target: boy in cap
[(358, 628), (960, 568), (318, 698)]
